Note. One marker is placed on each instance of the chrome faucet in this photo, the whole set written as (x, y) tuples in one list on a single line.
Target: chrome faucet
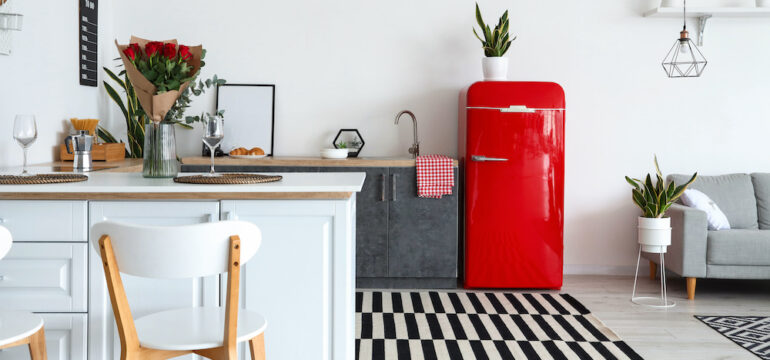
[(415, 149)]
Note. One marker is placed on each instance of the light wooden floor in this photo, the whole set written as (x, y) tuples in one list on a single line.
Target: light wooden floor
[(672, 333)]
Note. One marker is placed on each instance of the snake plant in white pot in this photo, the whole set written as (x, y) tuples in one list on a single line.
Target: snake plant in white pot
[(495, 44), (654, 199)]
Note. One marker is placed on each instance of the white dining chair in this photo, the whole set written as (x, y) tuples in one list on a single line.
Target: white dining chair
[(178, 252), (17, 327)]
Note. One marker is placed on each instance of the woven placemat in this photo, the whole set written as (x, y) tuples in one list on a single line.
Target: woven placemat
[(41, 179), (228, 178)]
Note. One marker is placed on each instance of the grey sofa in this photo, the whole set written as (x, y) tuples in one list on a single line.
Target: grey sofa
[(740, 253)]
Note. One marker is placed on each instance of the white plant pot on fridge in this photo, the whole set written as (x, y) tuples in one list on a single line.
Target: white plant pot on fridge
[(495, 68), (654, 234)]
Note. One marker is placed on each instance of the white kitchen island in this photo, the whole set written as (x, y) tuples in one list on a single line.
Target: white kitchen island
[(302, 279)]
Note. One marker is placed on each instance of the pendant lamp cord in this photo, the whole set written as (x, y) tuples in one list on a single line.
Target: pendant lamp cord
[(684, 15)]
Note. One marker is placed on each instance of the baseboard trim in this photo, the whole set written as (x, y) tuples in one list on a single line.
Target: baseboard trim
[(407, 283)]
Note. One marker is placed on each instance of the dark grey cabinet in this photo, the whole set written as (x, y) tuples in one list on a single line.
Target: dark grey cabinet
[(402, 240), (422, 232), (371, 222)]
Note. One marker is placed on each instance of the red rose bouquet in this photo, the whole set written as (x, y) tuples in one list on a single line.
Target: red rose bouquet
[(160, 72)]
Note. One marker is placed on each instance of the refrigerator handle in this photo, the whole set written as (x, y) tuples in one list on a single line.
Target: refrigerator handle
[(484, 158), (517, 109)]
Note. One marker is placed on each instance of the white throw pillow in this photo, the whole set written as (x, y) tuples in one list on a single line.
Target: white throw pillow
[(698, 200)]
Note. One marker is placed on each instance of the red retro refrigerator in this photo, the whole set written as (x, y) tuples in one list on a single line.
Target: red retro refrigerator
[(511, 145)]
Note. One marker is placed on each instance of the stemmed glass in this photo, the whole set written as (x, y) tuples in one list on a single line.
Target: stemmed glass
[(25, 133), (213, 133)]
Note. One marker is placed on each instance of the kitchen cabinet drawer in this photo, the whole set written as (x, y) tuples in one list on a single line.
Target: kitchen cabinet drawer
[(65, 339), (45, 277), (45, 220)]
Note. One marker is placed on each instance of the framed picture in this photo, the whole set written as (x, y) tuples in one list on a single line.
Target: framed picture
[(249, 116)]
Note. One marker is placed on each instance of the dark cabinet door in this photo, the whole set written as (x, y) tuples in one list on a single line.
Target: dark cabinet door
[(422, 233), (371, 221)]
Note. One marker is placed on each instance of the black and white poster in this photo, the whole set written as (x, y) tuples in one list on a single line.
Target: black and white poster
[(88, 41)]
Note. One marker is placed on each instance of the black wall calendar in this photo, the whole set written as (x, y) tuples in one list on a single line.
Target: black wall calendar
[(89, 20)]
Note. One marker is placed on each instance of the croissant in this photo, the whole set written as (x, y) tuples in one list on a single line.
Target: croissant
[(239, 151)]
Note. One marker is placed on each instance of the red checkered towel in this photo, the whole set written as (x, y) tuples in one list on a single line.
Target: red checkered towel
[(435, 176)]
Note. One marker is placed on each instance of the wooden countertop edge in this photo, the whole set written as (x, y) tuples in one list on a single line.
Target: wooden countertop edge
[(178, 196), (304, 161)]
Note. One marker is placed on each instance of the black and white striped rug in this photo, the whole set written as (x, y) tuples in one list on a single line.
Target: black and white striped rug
[(750, 332), (480, 325)]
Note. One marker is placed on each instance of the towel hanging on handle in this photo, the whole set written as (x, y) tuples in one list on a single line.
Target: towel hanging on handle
[(435, 176)]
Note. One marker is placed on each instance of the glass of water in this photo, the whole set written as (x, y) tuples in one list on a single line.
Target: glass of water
[(213, 133), (25, 133)]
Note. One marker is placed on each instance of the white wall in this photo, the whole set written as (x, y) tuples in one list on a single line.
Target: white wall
[(356, 63), (41, 77)]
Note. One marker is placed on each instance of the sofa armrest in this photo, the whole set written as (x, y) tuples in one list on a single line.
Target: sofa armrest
[(686, 255)]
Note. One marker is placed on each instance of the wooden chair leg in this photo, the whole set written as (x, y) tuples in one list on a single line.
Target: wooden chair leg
[(37, 345), (690, 288), (653, 270), (257, 347)]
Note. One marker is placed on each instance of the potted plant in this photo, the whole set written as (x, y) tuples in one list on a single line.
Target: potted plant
[(654, 199), (495, 44)]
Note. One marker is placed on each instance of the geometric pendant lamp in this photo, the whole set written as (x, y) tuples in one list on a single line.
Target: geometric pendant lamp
[(684, 59)]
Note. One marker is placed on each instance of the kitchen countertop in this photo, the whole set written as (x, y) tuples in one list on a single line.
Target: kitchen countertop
[(132, 186), (305, 161)]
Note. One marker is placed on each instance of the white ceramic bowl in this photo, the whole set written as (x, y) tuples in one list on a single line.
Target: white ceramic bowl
[(334, 153)]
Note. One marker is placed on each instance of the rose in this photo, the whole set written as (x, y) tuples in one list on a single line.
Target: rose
[(169, 50), (130, 54), (136, 48), (152, 47), (184, 52)]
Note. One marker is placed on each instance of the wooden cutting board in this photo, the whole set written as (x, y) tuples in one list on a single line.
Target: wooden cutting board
[(99, 152)]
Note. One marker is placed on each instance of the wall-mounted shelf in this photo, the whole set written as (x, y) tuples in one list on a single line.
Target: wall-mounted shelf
[(704, 13), (696, 12), (10, 21)]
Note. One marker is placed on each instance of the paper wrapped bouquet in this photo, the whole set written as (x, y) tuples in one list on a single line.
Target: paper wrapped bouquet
[(160, 71)]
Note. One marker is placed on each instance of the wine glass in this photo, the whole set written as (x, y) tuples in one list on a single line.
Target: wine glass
[(25, 133), (213, 133)]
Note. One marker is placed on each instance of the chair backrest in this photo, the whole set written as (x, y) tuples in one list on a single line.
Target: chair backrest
[(5, 241), (172, 252)]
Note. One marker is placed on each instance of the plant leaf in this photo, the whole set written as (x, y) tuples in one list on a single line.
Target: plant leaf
[(632, 182), (479, 20), (115, 78), (116, 98)]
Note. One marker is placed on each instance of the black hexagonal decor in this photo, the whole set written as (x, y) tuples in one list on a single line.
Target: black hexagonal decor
[(349, 139)]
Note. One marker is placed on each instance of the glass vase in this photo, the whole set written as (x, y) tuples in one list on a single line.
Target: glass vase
[(159, 151)]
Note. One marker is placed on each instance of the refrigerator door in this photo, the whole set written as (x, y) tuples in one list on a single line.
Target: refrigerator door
[(514, 197)]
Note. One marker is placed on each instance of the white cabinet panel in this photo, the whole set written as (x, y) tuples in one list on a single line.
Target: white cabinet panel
[(291, 280), (65, 339), (46, 277), (145, 296), (38, 220)]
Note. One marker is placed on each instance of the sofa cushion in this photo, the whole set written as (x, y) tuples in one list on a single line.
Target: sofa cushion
[(733, 193), (738, 247), (697, 200), (761, 183)]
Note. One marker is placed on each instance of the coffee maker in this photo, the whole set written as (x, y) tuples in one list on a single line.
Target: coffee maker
[(81, 145)]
